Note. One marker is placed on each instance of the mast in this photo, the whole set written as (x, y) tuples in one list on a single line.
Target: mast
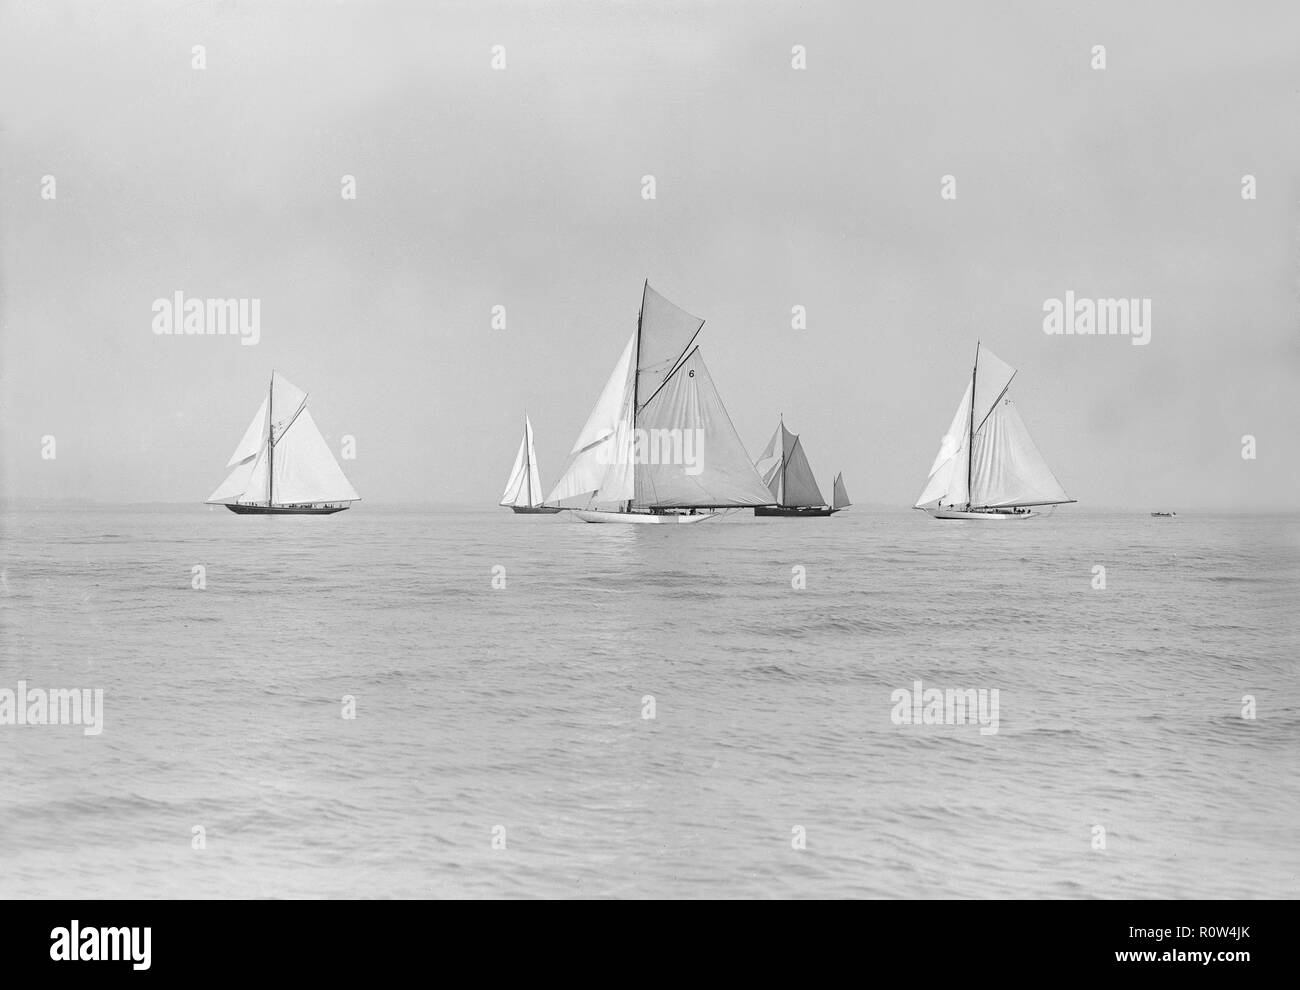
[(528, 463), (270, 438), (970, 439), (784, 462), (636, 374)]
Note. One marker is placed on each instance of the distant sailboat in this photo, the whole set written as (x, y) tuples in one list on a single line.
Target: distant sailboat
[(785, 470), (659, 446), (283, 465), (987, 467), (523, 491)]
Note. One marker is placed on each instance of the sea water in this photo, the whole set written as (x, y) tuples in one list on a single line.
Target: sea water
[(422, 702)]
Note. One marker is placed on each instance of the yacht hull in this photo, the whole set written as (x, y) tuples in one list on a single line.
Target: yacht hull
[(285, 510), (641, 518), (990, 516)]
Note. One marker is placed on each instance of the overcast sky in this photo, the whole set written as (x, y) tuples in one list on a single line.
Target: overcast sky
[(775, 187)]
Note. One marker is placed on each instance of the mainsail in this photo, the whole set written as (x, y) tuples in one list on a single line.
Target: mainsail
[(524, 487), (987, 459), (659, 436), (688, 452), (282, 458)]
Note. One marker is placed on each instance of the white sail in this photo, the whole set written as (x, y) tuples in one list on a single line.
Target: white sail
[(1007, 469), (607, 432), (666, 334), (992, 376), (524, 487), (516, 492), (839, 494), (255, 491), (254, 439), (713, 468), (534, 475), (287, 400), (305, 468), (1001, 468), (236, 483), (950, 461)]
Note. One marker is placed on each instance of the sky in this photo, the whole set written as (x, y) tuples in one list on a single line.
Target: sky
[(775, 187)]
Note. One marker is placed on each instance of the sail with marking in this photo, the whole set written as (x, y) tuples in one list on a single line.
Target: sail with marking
[(667, 332), (687, 451), (524, 487), (839, 494), (986, 458)]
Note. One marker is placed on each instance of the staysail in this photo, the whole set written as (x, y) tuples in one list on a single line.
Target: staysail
[(986, 458), (283, 458)]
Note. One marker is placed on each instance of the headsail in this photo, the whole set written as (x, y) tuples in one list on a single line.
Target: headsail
[(839, 494), (254, 438), (770, 461), (604, 442)]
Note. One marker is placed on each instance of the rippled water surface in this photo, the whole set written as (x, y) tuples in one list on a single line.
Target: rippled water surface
[(517, 712)]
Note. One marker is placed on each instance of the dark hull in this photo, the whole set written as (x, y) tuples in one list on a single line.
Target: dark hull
[(792, 511), (535, 510), (285, 510)]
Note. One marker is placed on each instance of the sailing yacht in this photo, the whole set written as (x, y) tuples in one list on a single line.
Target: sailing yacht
[(988, 468), (659, 447), (784, 468), (523, 491), (283, 466)]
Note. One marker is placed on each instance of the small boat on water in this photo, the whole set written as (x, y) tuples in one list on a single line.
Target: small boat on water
[(523, 491), (659, 447), (988, 468), (1164, 515), (784, 468), (282, 466)]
